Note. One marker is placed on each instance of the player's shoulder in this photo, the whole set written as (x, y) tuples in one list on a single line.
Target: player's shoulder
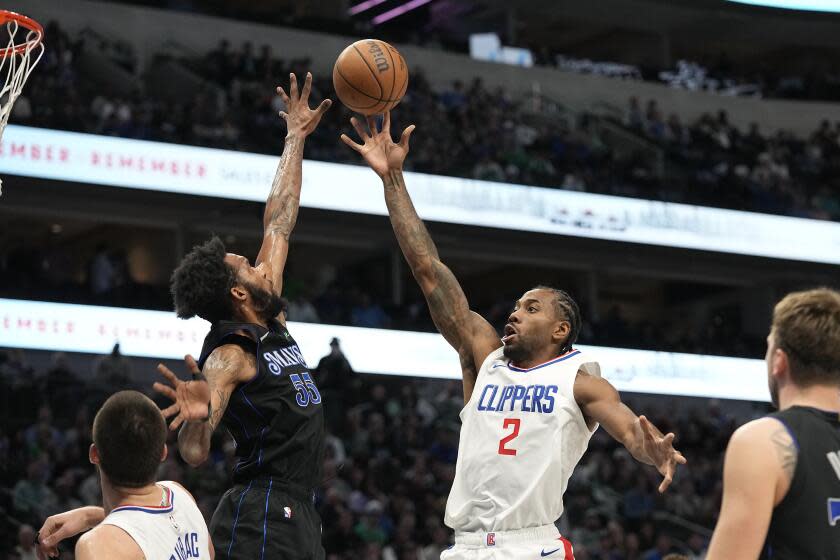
[(107, 541), (760, 436)]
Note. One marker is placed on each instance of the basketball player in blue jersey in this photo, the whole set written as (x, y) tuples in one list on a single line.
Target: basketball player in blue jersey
[(251, 377), (532, 400), (781, 474), (140, 519)]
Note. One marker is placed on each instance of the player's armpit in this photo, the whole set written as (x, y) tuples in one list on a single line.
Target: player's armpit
[(753, 482), (107, 541)]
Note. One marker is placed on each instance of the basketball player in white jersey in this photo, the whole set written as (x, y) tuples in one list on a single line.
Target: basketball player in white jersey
[(140, 519), (532, 400)]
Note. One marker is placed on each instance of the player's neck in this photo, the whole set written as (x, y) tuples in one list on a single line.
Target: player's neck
[(823, 397), (248, 315), (114, 497)]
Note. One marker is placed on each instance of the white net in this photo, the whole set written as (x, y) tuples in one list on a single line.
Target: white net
[(23, 51)]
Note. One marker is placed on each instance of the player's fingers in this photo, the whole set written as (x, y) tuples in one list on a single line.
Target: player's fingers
[(192, 365), (647, 429), (175, 424), (346, 139), (165, 390), (359, 129), (680, 458), (168, 374), (293, 87), (371, 122), (405, 136), (668, 439), (283, 95), (307, 87), (325, 104), (283, 115), (170, 410), (386, 123), (666, 482)]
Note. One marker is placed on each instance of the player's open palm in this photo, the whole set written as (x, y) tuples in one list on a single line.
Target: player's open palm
[(381, 153), (191, 399), (661, 450), (298, 116)]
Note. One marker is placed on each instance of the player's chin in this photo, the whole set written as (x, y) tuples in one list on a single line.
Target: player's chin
[(512, 349)]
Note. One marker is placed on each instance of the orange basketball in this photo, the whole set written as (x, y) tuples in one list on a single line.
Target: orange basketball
[(370, 77)]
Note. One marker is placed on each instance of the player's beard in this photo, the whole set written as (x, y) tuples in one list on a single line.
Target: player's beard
[(267, 304), (517, 352)]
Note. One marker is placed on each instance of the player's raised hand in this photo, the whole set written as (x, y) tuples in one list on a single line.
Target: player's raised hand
[(191, 398), (300, 119), (381, 153), (661, 450)]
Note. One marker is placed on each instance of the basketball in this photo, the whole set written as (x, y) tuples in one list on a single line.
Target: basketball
[(370, 77)]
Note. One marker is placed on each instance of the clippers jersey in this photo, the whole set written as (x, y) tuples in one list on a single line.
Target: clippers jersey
[(174, 530), (522, 435), (276, 418)]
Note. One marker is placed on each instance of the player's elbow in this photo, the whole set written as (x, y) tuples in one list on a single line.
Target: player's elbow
[(423, 270)]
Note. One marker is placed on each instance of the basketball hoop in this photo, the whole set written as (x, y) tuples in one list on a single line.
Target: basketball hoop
[(17, 60)]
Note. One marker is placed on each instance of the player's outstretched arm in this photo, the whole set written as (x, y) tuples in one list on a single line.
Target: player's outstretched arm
[(281, 207), (199, 404), (600, 402), (469, 333), (757, 471)]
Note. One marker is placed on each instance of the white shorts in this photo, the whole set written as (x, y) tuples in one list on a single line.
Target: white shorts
[(522, 544)]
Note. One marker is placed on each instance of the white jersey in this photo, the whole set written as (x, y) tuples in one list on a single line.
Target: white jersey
[(522, 435), (174, 531)]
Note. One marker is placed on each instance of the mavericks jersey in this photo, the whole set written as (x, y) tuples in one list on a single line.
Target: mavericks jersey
[(806, 523), (522, 435), (172, 531), (276, 418)]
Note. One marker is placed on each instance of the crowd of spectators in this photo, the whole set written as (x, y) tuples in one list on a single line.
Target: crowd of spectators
[(777, 174), (467, 130), (389, 464)]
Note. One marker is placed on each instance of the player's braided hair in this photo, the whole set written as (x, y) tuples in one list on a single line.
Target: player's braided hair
[(567, 310), (201, 284)]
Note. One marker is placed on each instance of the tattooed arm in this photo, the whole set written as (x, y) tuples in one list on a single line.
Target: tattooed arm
[(472, 336), (757, 472), (199, 404), (281, 207)]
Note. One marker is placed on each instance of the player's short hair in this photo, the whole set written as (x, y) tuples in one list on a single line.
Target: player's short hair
[(806, 325), (567, 310), (129, 433), (201, 284)]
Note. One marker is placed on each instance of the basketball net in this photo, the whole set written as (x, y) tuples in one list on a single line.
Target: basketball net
[(17, 60)]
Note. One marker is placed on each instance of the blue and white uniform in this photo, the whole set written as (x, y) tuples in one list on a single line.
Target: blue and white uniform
[(522, 435), (174, 530)]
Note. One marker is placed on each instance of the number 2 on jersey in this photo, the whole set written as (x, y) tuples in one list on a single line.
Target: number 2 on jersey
[(515, 422)]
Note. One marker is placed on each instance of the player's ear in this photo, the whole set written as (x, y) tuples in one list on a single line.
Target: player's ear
[(164, 453), (93, 454), (238, 292), (780, 365), (561, 331)]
